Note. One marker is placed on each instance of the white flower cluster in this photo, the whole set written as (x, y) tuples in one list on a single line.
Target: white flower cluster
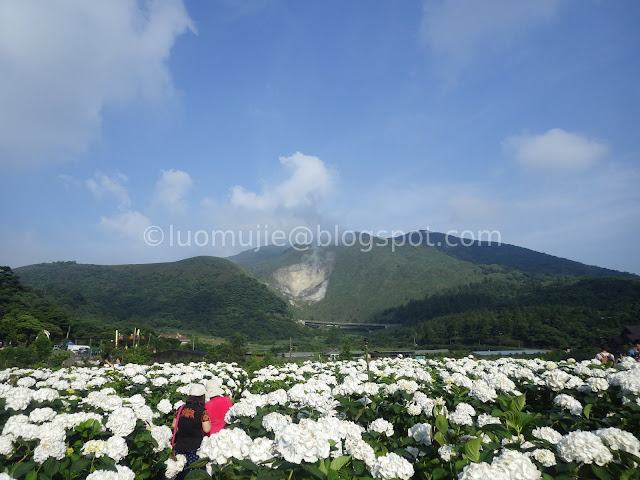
[(548, 434), (315, 426), (462, 415), (617, 439), (390, 466), (421, 433), (568, 403), (380, 425), (298, 443), (224, 445), (510, 465), (583, 447), (122, 473), (175, 466)]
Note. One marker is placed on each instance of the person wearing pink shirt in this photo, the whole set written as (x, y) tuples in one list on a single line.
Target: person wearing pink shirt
[(217, 404)]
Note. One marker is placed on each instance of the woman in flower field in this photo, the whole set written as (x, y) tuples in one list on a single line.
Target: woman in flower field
[(190, 425), (217, 405)]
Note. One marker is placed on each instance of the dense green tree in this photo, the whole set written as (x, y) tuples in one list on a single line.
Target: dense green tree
[(345, 351)]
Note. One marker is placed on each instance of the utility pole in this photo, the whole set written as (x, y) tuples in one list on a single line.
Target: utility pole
[(290, 348), (366, 357)]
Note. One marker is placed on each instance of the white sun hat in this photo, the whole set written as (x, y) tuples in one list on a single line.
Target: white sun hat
[(214, 388), (197, 390)]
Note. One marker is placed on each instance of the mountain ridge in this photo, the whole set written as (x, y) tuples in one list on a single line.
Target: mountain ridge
[(207, 294)]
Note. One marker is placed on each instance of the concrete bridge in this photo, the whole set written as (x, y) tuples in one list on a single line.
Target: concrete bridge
[(349, 326)]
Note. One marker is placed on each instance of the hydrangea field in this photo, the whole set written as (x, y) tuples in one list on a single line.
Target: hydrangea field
[(389, 418)]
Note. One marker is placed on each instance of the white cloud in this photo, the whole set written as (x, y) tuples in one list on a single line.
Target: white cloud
[(171, 190), (102, 185), (131, 224), (555, 151), (310, 181), (457, 31), (63, 62)]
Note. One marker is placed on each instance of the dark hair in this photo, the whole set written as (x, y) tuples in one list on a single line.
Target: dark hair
[(199, 399), (603, 347)]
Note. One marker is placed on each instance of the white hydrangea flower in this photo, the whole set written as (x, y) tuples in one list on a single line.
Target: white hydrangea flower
[(458, 418), (262, 450), (447, 452), (43, 395), (6, 445), (421, 433), (117, 448), (482, 471), (568, 403), (122, 473), (597, 384), (143, 413), (40, 415), (425, 403), (159, 381), (617, 439), (556, 379), (390, 466), (122, 421), (543, 456), (19, 399), (360, 450), (26, 382), (517, 464), (302, 442), (548, 434), (224, 445), (486, 419), (49, 448), (164, 406), (583, 447), (162, 434), (481, 391), (94, 448), (414, 409), (380, 425)]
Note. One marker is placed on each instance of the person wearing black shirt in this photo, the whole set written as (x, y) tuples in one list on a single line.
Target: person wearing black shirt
[(190, 425)]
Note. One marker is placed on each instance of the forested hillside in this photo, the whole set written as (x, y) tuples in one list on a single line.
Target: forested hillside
[(23, 315), (206, 294), (491, 251), (526, 312)]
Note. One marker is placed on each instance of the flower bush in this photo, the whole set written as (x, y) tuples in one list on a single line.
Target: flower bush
[(394, 418)]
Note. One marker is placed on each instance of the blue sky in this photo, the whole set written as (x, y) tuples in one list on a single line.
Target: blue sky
[(517, 117)]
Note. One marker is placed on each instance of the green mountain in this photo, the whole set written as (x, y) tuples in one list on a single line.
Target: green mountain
[(493, 252), (434, 285), (351, 284), (207, 294), (359, 283)]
